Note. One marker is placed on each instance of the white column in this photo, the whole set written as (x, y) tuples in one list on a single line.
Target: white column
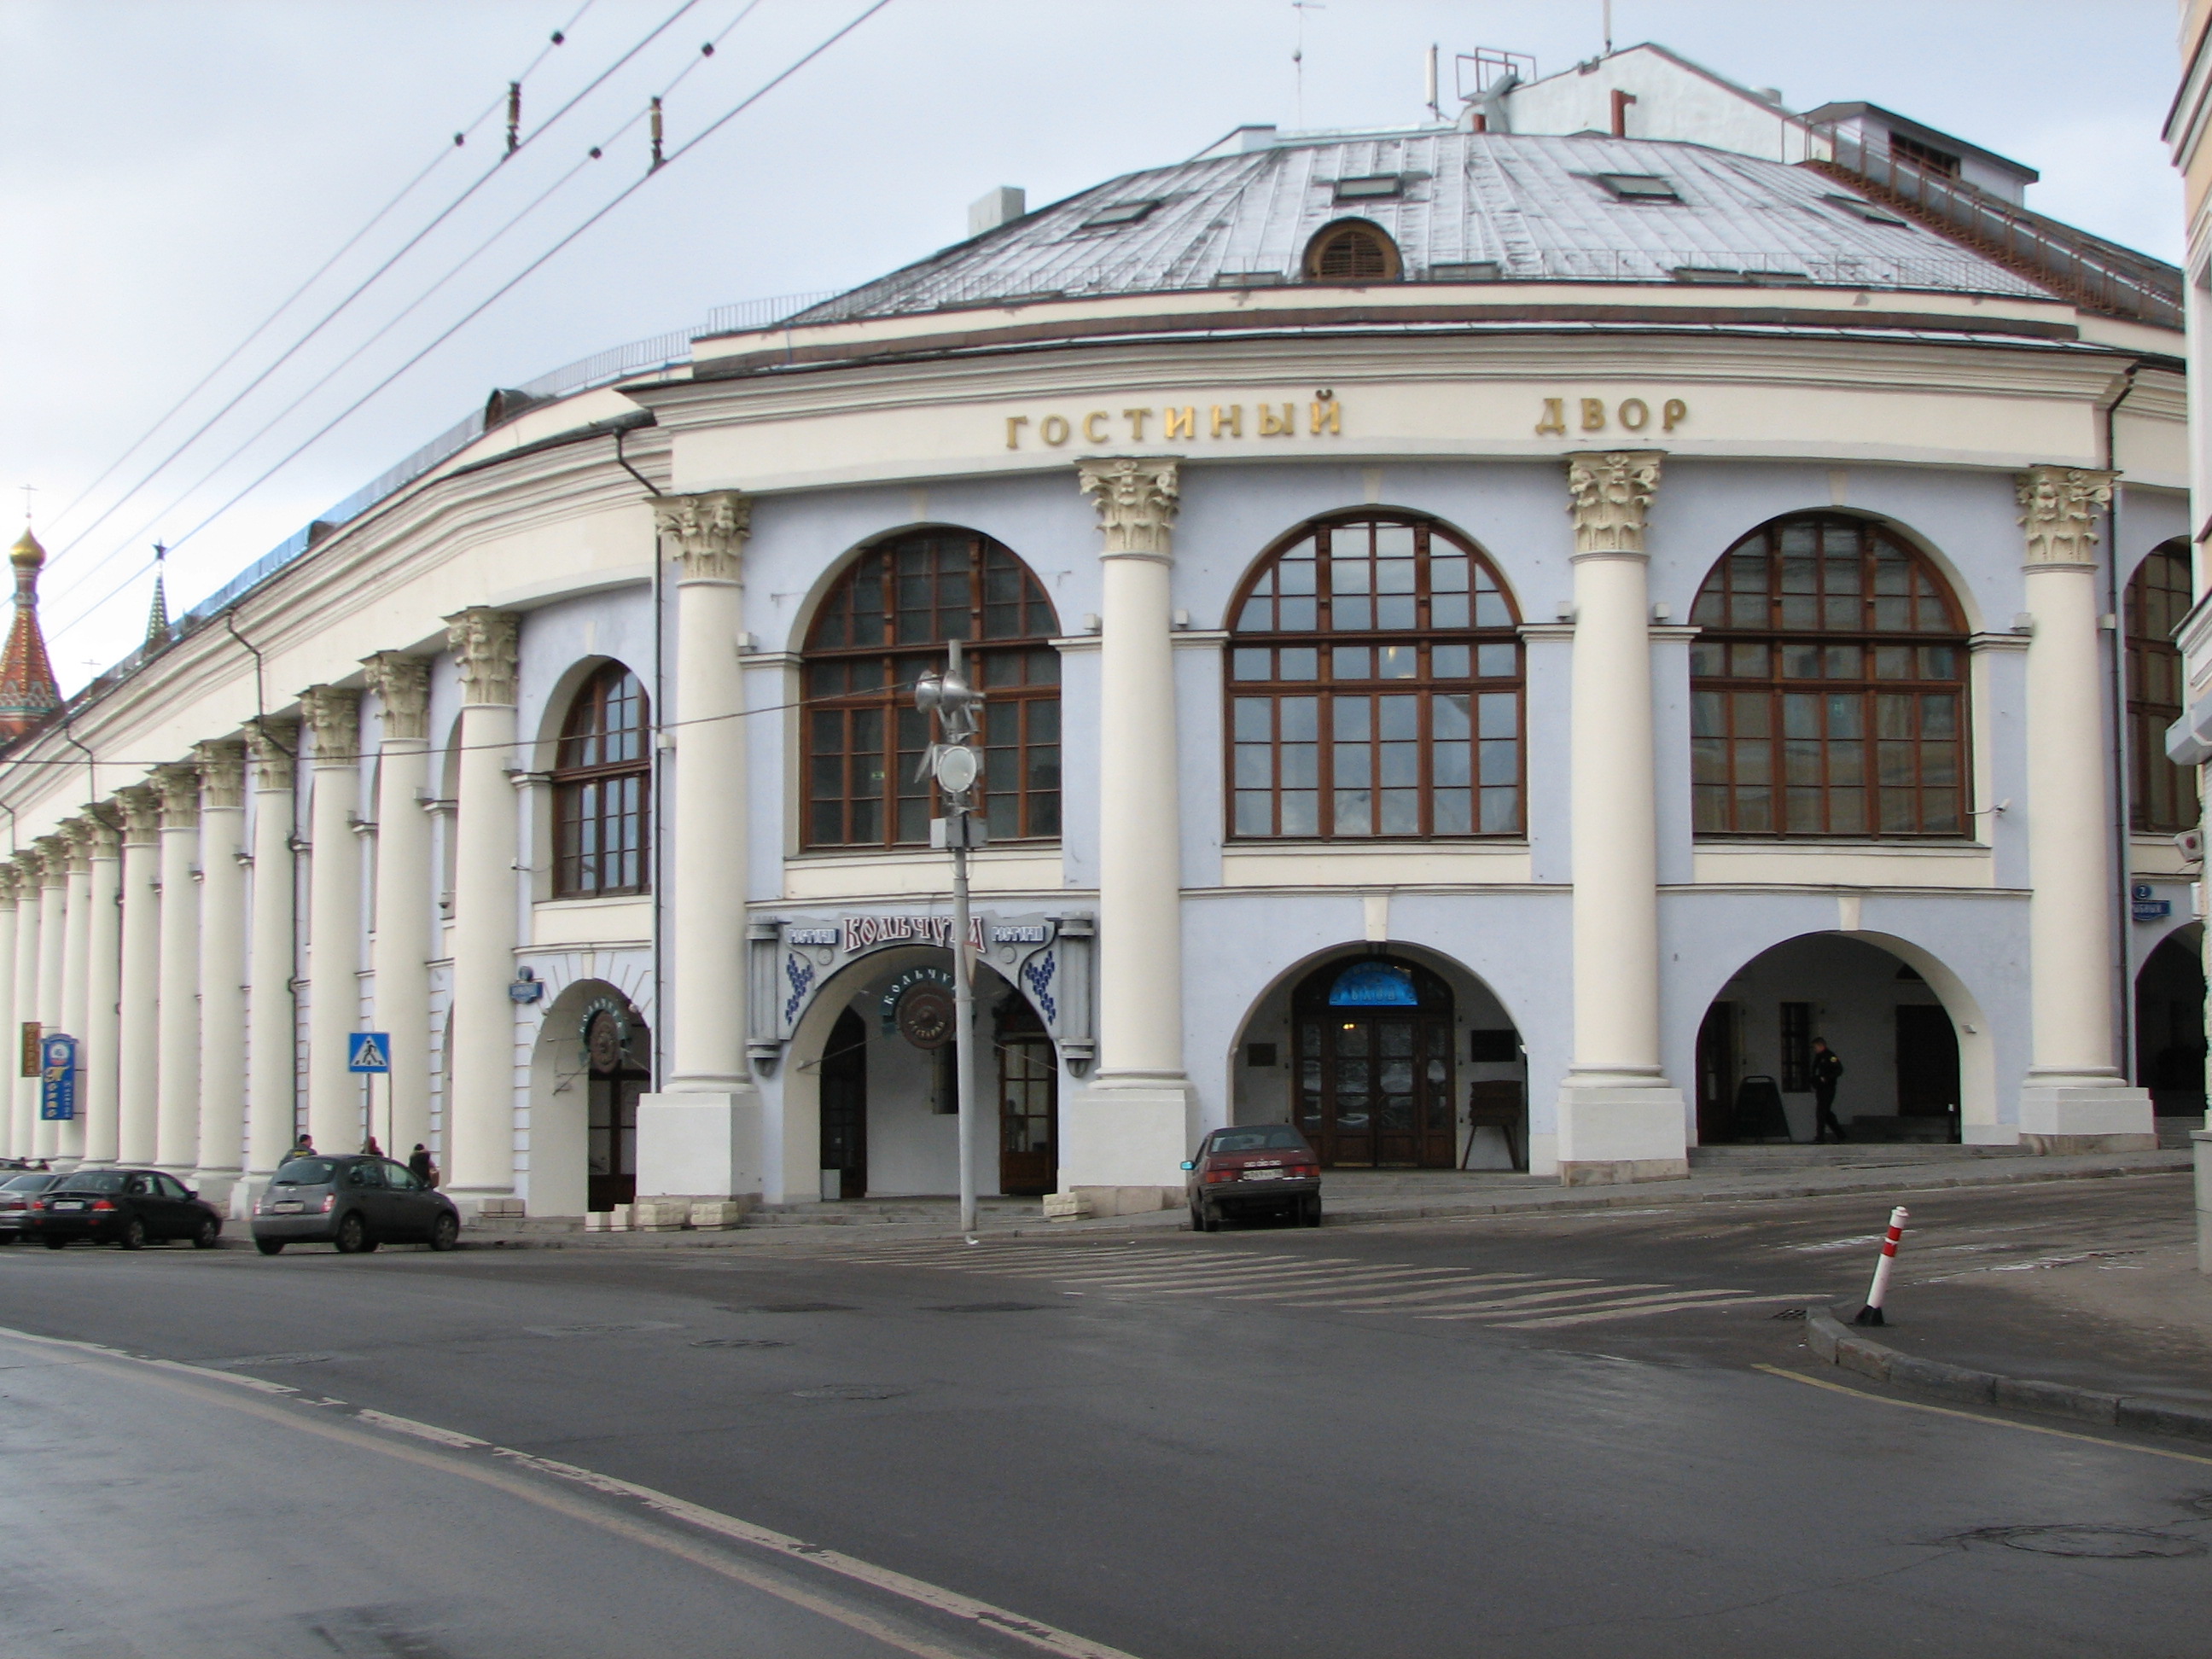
[(100, 1080), (400, 954), (272, 1079), (177, 1082), (53, 903), (1618, 1117), (701, 1135), (1134, 1126), (30, 914), (334, 940), (223, 969), (2076, 1097), (76, 944), (140, 993), (480, 1100), (9, 1147)]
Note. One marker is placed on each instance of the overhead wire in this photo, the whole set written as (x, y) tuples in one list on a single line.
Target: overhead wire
[(404, 249), (705, 52), (778, 79)]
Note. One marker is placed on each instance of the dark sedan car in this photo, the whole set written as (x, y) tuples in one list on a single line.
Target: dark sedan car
[(1255, 1168), (130, 1207), (355, 1200), (16, 1193)]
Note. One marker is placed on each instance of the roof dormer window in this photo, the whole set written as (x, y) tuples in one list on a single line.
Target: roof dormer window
[(1353, 251), (1859, 207), (1119, 213), (1639, 187), (1371, 187)]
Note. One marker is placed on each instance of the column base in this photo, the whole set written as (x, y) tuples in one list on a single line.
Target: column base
[(2200, 1141), (2088, 1116), (1132, 1140), (702, 1144), (1613, 1135), (213, 1185)]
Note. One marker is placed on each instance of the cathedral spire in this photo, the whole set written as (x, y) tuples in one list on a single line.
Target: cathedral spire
[(27, 692), (157, 618)]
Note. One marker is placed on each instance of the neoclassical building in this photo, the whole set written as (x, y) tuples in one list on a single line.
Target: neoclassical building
[(1492, 644)]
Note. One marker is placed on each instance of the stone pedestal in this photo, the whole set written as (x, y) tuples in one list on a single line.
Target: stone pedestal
[(699, 1144), (1113, 1139), (1620, 1133), (2201, 1141), (2074, 1116)]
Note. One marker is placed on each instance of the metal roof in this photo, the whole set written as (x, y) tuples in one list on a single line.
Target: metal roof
[(1534, 206)]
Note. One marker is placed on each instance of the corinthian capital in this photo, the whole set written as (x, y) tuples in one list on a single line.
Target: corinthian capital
[(1137, 497), (402, 685), (105, 838), (76, 835), (334, 716), (53, 860), (482, 642), (2057, 506), (222, 774), (708, 532), (177, 787), (1612, 492), (142, 820), (275, 745)]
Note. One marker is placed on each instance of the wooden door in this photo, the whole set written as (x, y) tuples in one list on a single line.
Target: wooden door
[(845, 1104), (612, 1174), (1029, 1103), (1375, 1083), (1927, 1062), (1717, 1075)]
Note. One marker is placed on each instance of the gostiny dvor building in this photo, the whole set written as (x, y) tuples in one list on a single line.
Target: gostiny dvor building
[(1493, 642)]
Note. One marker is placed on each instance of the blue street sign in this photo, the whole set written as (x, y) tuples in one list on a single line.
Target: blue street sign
[(369, 1051), (56, 1078)]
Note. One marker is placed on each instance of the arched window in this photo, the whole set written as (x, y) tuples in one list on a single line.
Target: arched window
[(890, 618), (1352, 250), (1373, 687), (1827, 687), (2164, 795), (602, 789)]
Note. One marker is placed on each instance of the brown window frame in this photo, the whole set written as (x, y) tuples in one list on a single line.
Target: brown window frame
[(602, 779), (1320, 245), (1760, 733), (863, 736), (2162, 796), (1490, 643)]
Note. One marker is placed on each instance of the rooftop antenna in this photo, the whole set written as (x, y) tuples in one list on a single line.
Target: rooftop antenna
[(1607, 6), (28, 491), (1436, 110), (1298, 52)]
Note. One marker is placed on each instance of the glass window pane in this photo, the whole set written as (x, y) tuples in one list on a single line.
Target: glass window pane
[(1298, 663), (1491, 612), (1301, 812), (1255, 814), (1499, 713), (1450, 713), (1254, 720), (1301, 717), (1352, 662), (1448, 662), (1349, 717), (1250, 663), (1501, 811), (1300, 764), (1449, 610), (1401, 813), (1297, 616), (1400, 717), (1496, 661), (1354, 812), (1453, 808)]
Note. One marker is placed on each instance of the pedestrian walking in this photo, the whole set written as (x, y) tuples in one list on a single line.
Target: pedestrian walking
[(371, 1148), (303, 1147), (1826, 1068), (420, 1166)]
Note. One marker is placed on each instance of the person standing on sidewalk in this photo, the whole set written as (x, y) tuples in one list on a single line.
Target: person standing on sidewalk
[(1826, 1069)]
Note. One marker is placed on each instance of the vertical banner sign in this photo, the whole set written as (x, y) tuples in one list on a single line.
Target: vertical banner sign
[(58, 1078), (27, 1064)]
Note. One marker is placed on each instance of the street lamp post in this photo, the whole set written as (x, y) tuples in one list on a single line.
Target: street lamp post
[(951, 761)]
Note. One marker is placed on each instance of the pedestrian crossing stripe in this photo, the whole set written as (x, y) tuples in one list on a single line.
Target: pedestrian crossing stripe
[(1344, 1284)]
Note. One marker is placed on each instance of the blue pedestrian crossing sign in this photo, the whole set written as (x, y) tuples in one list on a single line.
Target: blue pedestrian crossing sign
[(369, 1051)]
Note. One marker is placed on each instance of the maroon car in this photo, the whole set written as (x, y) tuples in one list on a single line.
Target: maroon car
[(1254, 1168)]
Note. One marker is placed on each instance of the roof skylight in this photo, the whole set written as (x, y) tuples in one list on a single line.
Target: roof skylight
[(1369, 186), (1639, 187), (1120, 213), (1859, 207)]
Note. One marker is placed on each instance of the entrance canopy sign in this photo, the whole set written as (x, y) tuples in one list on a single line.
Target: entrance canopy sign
[(58, 1078), (1374, 985)]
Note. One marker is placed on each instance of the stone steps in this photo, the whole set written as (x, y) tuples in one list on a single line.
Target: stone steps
[(1851, 1155)]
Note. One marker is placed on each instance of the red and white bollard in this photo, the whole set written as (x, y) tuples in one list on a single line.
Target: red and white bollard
[(1871, 1313)]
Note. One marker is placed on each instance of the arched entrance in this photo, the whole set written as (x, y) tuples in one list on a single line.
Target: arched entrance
[(1372, 1041), (1028, 1100), (614, 1047), (2170, 1026), (591, 1062), (1877, 1013)]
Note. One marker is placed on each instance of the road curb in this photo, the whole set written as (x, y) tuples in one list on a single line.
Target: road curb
[(1840, 1346)]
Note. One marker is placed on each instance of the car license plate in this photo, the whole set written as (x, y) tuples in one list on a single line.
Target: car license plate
[(1263, 1175), (68, 1204), (289, 1206)]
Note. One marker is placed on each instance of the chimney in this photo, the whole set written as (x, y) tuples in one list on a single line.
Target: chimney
[(996, 208)]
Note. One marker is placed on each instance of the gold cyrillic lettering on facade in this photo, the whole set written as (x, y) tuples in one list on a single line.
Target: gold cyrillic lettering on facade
[(1233, 416), (1554, 420), (1181, 422), (1053, 430), (1673, 413), (1014, 425), (1136, 417), (1327, 415), (1635, 414), (1272, 425), (1593, 414), (1093, 429)]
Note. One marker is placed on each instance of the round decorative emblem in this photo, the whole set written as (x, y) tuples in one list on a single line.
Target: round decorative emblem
[(603, 1042), (926, 1016)]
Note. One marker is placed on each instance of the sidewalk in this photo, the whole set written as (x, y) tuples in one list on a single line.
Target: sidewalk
[(1355, 1198)]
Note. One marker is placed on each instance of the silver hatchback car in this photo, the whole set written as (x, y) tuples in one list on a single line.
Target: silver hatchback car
[(16, 1193), (354, 1201)]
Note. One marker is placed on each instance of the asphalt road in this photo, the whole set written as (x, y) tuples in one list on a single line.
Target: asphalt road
[(1540, 1436)]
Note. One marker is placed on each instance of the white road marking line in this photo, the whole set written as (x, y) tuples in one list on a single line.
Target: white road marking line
[(1185, 1273), (429, 1432), (1343, 1278), (1391, 1279), (1628, 1309), (1486, 1309), (1433, 1293)]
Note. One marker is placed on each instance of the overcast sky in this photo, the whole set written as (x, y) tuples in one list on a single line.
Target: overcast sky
[(173, 169)]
